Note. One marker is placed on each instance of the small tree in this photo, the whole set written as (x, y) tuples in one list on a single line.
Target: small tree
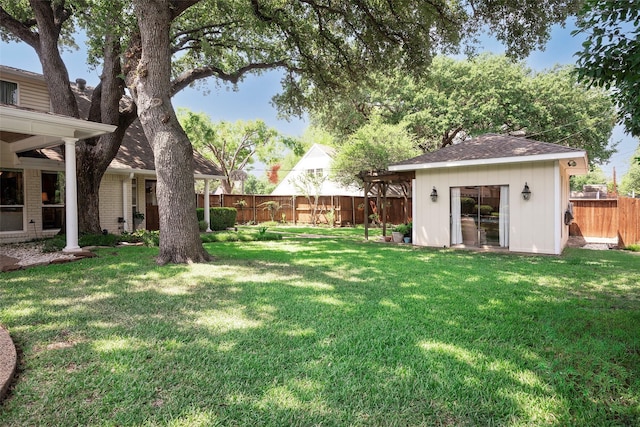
[(272, 207), (241, 204), (310, 186)]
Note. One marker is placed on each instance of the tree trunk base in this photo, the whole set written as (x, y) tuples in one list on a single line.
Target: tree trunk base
[(177, 257)]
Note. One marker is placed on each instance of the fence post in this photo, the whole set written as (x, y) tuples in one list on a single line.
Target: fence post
[(255, 218), (293, 209)]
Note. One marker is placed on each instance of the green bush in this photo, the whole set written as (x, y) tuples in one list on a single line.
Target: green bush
[(484, 209), (221, 218), (97, 240), (55, 244), (633, 248), (405, 229), (58, 243), (202, 225), (232, 236), (467, 205)]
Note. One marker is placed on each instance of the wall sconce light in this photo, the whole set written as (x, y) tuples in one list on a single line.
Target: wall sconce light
[(526, 193), (434, 194), (571, 163)]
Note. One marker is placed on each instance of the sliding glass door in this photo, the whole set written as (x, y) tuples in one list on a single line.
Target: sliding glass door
[(480, 216)]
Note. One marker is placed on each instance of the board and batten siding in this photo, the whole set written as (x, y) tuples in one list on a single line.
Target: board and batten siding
[(533, 225)]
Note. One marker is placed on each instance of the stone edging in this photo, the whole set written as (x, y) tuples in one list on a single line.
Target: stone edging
[(8, 361)]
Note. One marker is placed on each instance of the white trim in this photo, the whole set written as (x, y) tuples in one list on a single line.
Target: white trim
[(557, 208), (580, 155), (45, 124), (71, 193), (153, 172)]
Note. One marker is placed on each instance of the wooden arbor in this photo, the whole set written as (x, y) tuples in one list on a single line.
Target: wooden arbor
[(381, 182)]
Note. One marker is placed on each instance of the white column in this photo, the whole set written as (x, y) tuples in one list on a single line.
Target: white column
[(207, 213), (71, 191), (126, 185)]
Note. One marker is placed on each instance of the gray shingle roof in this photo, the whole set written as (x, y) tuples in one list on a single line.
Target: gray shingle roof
[(135, 152), (490, 146)]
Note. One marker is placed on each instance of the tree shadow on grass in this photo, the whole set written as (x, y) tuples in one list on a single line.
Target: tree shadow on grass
[(302, 333)]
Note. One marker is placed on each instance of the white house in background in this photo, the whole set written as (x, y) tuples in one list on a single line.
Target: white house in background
[(494, 191), (38, 183), (316, 161)]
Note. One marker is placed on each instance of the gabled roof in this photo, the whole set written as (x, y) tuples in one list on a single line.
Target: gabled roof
[(494, 149)]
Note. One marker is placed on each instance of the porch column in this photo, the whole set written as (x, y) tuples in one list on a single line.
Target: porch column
[(71, 191), (207, 211)]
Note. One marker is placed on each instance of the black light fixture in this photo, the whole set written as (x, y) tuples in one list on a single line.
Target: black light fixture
[(571, 163), (526, 193), (434, 194)]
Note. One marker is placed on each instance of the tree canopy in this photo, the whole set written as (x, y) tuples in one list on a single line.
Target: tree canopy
[(154, 48), (630, 182), (374, 146), (233, 146), (490, 93), (611, 54)]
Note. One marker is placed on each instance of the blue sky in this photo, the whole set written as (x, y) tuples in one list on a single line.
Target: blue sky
[(252, 99)]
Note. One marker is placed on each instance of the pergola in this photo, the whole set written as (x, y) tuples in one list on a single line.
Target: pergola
[(26, 130), (382, 180)]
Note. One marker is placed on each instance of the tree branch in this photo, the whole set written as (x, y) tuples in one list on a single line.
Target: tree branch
[(188, 77), (22, 30)]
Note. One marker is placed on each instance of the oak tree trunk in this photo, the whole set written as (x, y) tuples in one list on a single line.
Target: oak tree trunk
[(173, 154)]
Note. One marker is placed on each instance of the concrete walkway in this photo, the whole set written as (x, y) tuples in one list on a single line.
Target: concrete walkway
[(8, 362)]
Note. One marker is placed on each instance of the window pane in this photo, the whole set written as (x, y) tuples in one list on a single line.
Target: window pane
[(11, 219), (52, 188), (8, 92), (52, 217), (11, 187)]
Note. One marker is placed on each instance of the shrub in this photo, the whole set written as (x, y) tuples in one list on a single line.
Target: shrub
[(57, 243), (221, 218), (202, 225), (232, 236), (633, 248), (148, 238), (467, 205), (484, 209), (98, 240)]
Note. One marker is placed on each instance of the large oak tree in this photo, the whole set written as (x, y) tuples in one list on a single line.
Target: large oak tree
[(490, 93), (320, 44)]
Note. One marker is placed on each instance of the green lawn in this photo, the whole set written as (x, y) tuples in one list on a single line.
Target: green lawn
[(327, 332)]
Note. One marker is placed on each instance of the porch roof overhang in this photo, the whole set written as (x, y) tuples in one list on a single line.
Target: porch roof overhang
[(581, 166), (26, 130)]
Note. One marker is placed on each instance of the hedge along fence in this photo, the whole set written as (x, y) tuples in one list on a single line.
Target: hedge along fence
[(220, 218), (341, 210)]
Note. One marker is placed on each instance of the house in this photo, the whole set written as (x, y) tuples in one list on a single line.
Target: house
[(496, 191), (37, 182), (316, 161)]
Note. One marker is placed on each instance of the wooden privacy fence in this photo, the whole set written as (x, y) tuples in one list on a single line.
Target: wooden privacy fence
[(341, 210), (607, 218)]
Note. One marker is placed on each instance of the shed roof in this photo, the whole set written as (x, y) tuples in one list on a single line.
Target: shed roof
[(493, 149)]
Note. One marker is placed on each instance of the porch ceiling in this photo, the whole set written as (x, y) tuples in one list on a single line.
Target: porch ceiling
[(26, 130)]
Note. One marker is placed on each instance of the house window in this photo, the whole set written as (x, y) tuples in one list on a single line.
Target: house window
[(8, 92), (480, 216), (52, 200), (315, 172), (11, 200)]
